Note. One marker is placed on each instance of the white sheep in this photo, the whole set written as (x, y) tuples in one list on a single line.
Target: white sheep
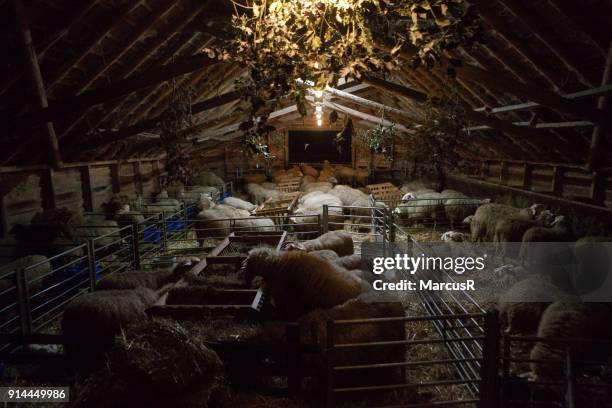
[(322, 186), (219, 220), (458, 206), (425, 206), (239, 203), (482, 224)]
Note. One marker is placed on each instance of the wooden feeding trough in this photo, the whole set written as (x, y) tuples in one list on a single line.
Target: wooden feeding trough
[(387, 193), (290, 186), (234, 248), (278, 208)]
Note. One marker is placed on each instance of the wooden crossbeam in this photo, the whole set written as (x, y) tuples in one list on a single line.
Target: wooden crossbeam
[(112, 91), (597, 139), (100, 31)]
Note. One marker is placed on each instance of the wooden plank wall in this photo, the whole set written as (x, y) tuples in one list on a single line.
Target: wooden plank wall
[(569, 182), (24, 191)]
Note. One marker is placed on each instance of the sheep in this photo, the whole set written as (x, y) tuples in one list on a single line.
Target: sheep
[(327, 172), (208, 178), (510, 229), (340, 242), (426, 205), (362, 176), (127, 217), (522, 305), (91, 321), (312, 202), (453, 236), (282, 176), (314, 332), (346, 266), (255, 178), (565, 320), (350, 262), (482, 224), (38, 268), (163, 204), (458, 206), (260, 194), (557, 232), (93, 228), (238, 203), (299, 282), (307, 179), (154, 279), (345, 174), (216, 222), (323, 187), (309, 171)]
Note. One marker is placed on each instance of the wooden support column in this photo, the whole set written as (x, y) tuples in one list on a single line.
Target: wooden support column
[(3, 217), (484, 169), (115, 180), (47, 186), (527, 176), (503, 173), (599, 132), (138, 177), (557, 181), (35, 78), (598, 187), (86, 188)]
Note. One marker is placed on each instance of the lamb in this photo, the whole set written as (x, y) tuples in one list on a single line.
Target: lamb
[(208, 178), (340, 242), (510, 229), (485, 219), (523, 304), (571, 321), (427, 205), (91, 321), (299, 282), (457, 206), (238, 203), (260, 194)]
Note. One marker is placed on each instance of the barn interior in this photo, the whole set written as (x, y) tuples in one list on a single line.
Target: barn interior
[(193, 192)]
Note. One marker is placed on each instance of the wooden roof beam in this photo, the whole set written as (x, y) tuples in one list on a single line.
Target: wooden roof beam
[(101, 30), (114, 90)]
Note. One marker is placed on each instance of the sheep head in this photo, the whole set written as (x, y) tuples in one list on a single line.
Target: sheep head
[(546, 218), (295, 246), (260, 262)]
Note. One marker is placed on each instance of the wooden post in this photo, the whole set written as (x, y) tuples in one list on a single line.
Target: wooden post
[(503, 173), (115, 180), (36, 79), (527, 173), (598, 187), (599, 132), (86, 188), (47, 189), (23, 300), (557, 181), (138, 178), (3, 217)]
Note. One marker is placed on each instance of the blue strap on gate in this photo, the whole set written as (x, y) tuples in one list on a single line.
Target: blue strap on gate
[(151, 234)]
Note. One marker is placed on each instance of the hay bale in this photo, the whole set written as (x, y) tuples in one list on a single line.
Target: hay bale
[(157, 364), (91, 321)]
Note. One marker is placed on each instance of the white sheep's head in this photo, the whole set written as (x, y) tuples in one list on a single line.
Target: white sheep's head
[(260, 262), (536, 209), (206, 203), (486, 201), (408, 196), (559, 220), (468, 220)]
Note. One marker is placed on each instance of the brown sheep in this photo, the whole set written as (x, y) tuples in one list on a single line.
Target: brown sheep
[(299, 282), (340, 242)]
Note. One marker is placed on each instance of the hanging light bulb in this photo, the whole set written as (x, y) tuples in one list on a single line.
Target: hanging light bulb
[(319, 115), (318, 109), (318, 93), (319, 122)]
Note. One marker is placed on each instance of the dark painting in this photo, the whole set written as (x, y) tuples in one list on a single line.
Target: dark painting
[(316, 146)]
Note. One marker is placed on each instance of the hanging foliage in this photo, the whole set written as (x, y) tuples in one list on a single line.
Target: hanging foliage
[(436, 143), (345, 134), (380, 140), (254, 140), (320, 41), (174, 120)]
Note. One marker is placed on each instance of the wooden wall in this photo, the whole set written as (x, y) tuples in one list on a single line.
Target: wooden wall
[(24, 191)]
